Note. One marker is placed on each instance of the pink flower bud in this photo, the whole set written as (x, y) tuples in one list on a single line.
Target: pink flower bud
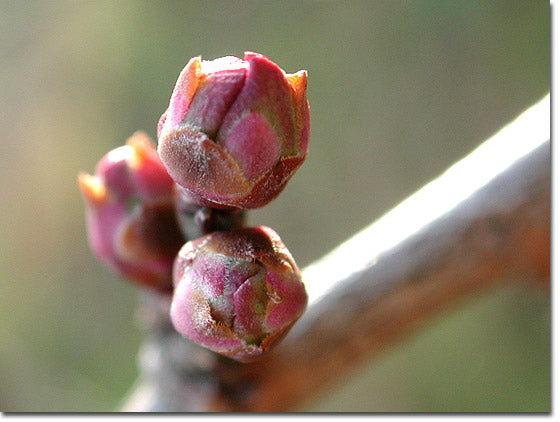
[(130, 213), (236, 292), (235, 130)]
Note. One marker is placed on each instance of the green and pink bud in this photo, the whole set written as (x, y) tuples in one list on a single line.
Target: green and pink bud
[(235, 130), (237, 293), (131, 219)]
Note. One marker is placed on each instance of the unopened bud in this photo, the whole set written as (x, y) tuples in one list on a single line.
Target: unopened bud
[(235, 130), (131, 220), (237, 292)]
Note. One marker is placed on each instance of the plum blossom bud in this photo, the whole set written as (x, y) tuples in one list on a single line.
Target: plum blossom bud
[(235, 130), (237, 293), (130, 213)]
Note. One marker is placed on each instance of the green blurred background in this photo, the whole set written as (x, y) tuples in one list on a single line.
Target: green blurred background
[(398, 92)]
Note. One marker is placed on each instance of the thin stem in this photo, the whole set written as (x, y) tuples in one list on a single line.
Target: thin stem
[(198, 220)]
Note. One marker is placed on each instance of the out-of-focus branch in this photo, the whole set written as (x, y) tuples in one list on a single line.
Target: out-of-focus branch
[(484, 221)]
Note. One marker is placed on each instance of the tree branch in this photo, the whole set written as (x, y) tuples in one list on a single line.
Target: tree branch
[(484, 221)]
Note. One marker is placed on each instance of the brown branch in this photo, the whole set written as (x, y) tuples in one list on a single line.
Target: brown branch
[(484, 221)]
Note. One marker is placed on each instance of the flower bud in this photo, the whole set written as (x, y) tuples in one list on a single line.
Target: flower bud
[(235, 130), (130, 213), (236, 292)]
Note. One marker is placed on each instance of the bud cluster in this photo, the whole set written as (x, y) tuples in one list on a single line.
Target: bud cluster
[(234, 133)]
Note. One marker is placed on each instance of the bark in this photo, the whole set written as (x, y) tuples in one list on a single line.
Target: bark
[(483, 222)]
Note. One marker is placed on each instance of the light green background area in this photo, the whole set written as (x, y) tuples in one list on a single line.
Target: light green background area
[(398, 92)]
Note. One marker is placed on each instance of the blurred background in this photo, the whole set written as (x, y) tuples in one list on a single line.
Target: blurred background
[(398, 92)]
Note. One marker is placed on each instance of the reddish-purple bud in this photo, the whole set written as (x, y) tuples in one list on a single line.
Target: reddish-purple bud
[(130, 213), (237, 293), (235, 130)]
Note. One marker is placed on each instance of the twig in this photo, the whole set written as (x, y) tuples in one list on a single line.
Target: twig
[(485, 220)]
